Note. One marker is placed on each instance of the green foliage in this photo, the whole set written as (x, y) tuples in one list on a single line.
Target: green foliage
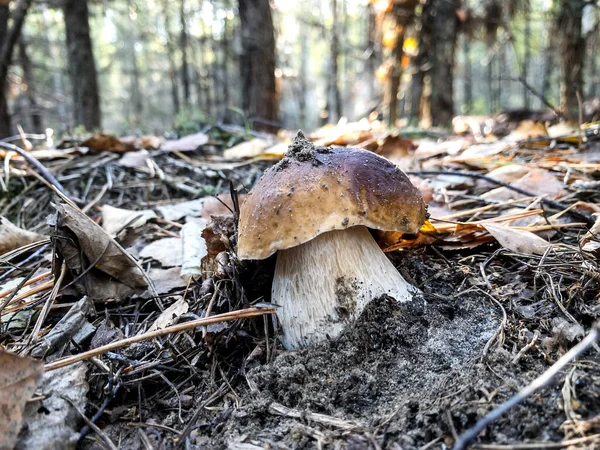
[(189, 121)]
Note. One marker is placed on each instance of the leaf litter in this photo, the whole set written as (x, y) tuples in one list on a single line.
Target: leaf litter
[(508, 279)]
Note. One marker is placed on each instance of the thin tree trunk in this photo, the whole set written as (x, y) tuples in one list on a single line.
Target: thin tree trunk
[(257, 62), (82, 67), (490, 74), (418, 75), (303, 74), (134, 77), (57, 78), (170, 53), (4, 114), (444, 23), (333, 90), (527, 55), (34, 109), (183, 44), (401, 18), (207, 72), (549, 64), (8, 40), (373, 52), (468, 78), (224, 66), (572, 55)]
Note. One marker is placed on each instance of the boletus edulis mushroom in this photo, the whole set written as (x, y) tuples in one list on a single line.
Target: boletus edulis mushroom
[(314, 208)]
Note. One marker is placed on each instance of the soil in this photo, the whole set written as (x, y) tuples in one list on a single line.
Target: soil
[(404, 376)]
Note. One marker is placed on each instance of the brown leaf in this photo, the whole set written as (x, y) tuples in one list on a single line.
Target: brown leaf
[(19, 378), (81, 242), (107, 143), (13, 237), (187, 143), (517, 240)]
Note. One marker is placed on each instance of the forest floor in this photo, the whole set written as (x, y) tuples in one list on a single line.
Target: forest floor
[(507, 268)]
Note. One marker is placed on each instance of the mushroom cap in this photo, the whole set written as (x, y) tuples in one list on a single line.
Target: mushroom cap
[(314, 190)]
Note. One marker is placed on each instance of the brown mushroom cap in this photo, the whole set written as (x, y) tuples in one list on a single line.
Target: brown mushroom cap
[(314, 190)]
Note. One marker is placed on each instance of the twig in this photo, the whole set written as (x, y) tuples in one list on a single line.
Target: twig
[(528, 390), (551, 203), (226, 317), (92, 425), (38, 165), (539, 445)]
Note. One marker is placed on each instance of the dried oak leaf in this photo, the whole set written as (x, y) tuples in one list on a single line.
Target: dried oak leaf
[(107, 143), (19, 378), (81, 243), (13, 237)]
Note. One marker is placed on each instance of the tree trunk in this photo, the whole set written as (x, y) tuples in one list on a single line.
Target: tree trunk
[(443, 20), (468, 78), (4, 115), (373, 53), (8, 40), (183, 44), (303, 73), (333, 90), (402, 16), (527, 54), (170, 53), (572, 49), (224, 66), (135, 119), (34, 109), (418, 76), (257, 61), (82, 67)]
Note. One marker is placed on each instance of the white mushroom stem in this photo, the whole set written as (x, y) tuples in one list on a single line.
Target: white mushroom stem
[(323, 285)]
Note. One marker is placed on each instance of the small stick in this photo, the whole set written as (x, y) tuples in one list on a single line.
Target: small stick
[(26, 283), (226, 317), (528, 390), (38, 165), (560, 206)]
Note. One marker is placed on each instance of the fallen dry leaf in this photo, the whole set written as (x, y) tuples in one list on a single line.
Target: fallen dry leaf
[(527, 129), (107, 143), (116, 219), (194, 248), (537, 181), (202, 207), (517, 240), (186, 143), (166, 251), (81, 243), (13, 237), (19, 378), (248, 149), (165, 280), (169, 316), (135, 160)]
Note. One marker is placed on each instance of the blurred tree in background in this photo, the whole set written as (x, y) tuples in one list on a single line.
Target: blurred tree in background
[(133, 66)]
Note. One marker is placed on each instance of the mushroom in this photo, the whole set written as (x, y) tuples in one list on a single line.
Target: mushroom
[(313, 208)]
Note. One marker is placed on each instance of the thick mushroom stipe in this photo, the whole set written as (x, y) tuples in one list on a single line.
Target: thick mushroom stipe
[(323, 285)]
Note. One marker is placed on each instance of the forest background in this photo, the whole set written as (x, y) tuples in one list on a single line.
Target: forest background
[(156, 66)]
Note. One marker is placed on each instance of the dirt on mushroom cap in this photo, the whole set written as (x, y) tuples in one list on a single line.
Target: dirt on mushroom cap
[(315, 190)]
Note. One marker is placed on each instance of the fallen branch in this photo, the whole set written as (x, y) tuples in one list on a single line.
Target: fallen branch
[(226, 317), (528, 390)]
